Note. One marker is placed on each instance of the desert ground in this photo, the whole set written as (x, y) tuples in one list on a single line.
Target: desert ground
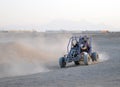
[(30, 59)]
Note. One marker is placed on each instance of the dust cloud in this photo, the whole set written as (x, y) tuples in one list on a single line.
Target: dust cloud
[(24, 53), (103, 56), (31, 54)]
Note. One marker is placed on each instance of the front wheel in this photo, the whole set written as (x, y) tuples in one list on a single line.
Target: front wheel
[(62, 62)]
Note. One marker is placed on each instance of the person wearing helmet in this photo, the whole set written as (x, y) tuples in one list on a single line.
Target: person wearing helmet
[(85, 47), (75, 44)]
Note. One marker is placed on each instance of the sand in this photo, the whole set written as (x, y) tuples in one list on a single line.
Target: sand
[(30, 59)]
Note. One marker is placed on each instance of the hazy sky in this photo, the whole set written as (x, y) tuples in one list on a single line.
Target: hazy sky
[(43, 11)]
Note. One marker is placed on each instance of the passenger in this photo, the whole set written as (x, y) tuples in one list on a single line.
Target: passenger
[(75, 44), (75, 47)]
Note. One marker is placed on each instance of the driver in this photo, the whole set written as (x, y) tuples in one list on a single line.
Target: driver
[(85, 47)]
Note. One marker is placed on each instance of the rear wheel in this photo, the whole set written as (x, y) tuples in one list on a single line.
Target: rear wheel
[(94, 56), (62, 62), (86, 60), (76, 62)]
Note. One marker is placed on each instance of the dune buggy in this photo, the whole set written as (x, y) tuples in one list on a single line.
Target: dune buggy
[(79, 51)]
